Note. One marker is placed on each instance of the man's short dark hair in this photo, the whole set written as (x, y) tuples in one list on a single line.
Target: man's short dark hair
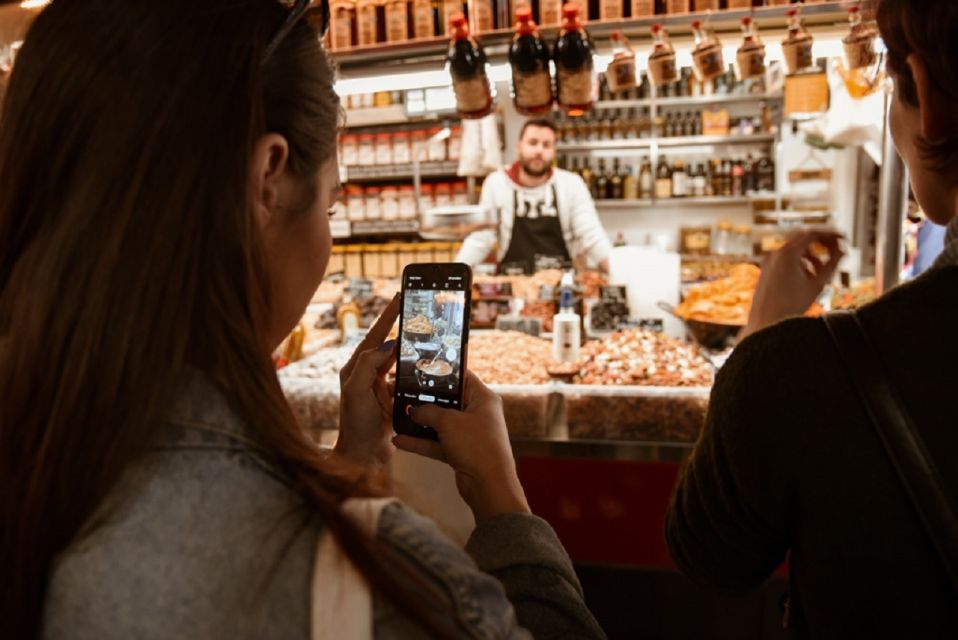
[(545, 123)]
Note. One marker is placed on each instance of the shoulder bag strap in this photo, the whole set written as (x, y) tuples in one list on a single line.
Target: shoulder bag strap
[(901, 440)]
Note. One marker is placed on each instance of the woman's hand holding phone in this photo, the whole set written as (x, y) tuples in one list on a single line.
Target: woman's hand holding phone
[(365, 408), (475, 443)]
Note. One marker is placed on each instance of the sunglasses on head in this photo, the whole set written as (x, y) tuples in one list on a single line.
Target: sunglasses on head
[(316, 16)]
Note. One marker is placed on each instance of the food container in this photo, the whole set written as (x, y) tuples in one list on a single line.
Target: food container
[(620, 74), (402, 149), (662, 68), (349, 144), (679, 6), (610, 9), (437, 148), (643, 8), (389, 199), (397, 20), (530, 410), (367, 150), (460, 193), (389, 264), (750, 57), (355, 203), (343, 19), (422, 19), (372, 265), (418, 143), (651, 414), (707, 55), (428, 194), (367, 22), (797, 45), (407, 202), (443, 194), (859, 44), (696, 240), (455, 143), (384, 148), (373, 204)]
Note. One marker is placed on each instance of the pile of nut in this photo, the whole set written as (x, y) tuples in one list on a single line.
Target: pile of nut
[(642, 357), (509, 357)]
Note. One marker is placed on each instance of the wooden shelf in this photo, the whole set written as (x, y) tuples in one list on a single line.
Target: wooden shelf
[(377, 173), (676, 141), (690, 101), (646, 204)]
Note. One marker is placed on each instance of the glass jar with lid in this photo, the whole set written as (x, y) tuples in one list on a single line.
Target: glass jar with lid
[(437, 148), (389, 199), (355, 203), (460, 193), (343, 19), (384, 148), (373, 204), (402, 149), (407, 202), (397, 20), (428, 194), (367, 22), (349, 144), (367, 150), (724, 238), (454, 148), (443, 194)]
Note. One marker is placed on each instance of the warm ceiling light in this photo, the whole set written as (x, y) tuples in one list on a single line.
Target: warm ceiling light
[(34, 4)]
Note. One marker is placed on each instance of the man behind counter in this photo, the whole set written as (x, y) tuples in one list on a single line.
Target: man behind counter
[(542, 212)]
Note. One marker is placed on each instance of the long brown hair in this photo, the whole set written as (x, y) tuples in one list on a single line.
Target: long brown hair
[(127, 252)]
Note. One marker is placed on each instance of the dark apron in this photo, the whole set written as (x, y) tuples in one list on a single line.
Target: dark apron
[(535, 238)]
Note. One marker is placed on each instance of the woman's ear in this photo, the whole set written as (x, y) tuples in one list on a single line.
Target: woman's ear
[(268, 163), (936, 118)]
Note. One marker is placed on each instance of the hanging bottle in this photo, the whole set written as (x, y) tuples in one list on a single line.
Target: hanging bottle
[(707, 55), (620, 74), (662, 67), (797, 45), (466, 62), (859, 44), (529, 59), (750, 58), (575, 77)]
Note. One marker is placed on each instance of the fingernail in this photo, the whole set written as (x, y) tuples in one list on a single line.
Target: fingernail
[(387, 346)]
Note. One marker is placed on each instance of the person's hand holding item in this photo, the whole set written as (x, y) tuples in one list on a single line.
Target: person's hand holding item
[(475, 443), (365, 409), (793, 277)]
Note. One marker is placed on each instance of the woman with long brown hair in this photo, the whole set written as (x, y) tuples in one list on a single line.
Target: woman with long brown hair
[(166, 169)]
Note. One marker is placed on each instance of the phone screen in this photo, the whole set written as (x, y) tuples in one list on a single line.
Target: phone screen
[(434, 333)]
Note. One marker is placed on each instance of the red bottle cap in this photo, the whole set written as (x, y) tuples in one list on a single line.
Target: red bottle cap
[(656, 29), (616, 36), (460, 28), (570, 15), (746, 21), (697, 25), (791, 13), (524, 22)]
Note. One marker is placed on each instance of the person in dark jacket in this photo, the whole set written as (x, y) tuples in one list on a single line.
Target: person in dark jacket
[(788, 466)]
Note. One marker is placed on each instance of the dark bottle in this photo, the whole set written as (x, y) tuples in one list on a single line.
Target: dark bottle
[(765, 169), (697, 123), (588, 177), (726, 174), (646, 181), (616, 181), (751, 177), (663, 180), (670, 129), (529, 59), (574, 64), (467, 65), (715, 178), (738, 179), (601, 182)]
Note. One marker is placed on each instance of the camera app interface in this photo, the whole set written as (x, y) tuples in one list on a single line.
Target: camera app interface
[(430, 357)]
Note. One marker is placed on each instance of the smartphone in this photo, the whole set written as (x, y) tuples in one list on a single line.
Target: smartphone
[(433, 340)]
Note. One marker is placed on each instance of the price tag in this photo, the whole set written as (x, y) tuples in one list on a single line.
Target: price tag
[(360, 287), (612, 293), (529, 326), (651, 324)]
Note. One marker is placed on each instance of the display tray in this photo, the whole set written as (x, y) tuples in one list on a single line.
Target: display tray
[(666, 414), (531, 410)]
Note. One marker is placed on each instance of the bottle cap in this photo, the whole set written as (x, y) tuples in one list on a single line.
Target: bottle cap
[(524, 22), (791, 13), (746, 21), (570, 15), (460, 28)]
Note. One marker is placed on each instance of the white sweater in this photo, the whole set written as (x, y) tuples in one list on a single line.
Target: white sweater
[(581, 227)]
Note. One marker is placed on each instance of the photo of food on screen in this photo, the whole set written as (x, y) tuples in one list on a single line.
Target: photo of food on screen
[(431, 342)]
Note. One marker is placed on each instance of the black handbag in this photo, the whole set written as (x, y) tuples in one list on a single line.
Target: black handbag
[(902, 442)]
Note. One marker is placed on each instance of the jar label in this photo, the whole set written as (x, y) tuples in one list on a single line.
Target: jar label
[(620, 74), (472, 95), (662, 68), (709, 62), (751, 63), (532, 89), (575, 87)]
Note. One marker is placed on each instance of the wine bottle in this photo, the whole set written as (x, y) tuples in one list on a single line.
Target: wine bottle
[(662, 68), (529, 59), (663, 180), (750, 58), (466, 62), (575, 77), (646, 181), (601, 183), (615, 181)]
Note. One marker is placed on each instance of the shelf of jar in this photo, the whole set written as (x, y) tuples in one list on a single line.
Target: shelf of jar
[(344, 229), (691, 101), (373, 173), (646, 203), (677, 141), (496, 42)]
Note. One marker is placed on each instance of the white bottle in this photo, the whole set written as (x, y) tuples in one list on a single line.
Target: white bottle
[(566, 325)]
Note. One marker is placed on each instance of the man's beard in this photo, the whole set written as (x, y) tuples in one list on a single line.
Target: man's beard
[(535, 173)]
